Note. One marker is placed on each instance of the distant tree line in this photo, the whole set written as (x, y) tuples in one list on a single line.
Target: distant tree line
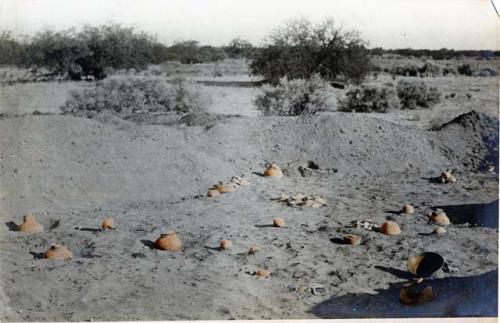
[(93, 50), (438, 54), (296, 49)]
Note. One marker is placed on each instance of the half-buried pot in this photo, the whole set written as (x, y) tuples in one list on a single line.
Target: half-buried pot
[(416, 295), (426, 264), (30, 225), (57, 252)]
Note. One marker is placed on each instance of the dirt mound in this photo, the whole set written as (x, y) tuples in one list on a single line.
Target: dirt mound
[(64, 158), (472, 140)]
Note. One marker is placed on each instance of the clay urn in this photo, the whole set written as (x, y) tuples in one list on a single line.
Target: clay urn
[(439, 230), (279, 222), (253, 250), (107, 224), (425, 264), (390, 228), (168, 241), (57, 252), (213, 192), (225, 244), (224, 187), (407, 209), (351, 239), (439, 217), (413, 295), (262, 273), (30, 225), (447, 177), (273, 170)]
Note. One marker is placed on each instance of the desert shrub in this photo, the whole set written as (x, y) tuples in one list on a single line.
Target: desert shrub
[(295, 97), (449, 70), (370, 98), (431, 69), (416, 93), (299, 49), (128, 96), (486, 72), (465, 69), (405, 70)]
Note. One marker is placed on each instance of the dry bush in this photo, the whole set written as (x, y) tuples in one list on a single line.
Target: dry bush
[(296, 97), (405, 69), (432, 69), (370, 98), (134, 95), (465, 69), (413, 94)]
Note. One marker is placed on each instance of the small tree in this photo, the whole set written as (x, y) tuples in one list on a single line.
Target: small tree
[(186, 52), (91, 50), (238, 48), (300, 49), (55, 50), (114, 46)]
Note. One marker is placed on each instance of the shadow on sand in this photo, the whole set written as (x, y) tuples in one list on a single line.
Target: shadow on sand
[(396, 272), (484, 215), (433, 180), (266, 226), (37, 255), (93, 230), (455, 296), (11, 225), (148, 243)]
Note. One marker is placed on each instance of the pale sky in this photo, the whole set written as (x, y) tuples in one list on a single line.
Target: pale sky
[(458, 24)]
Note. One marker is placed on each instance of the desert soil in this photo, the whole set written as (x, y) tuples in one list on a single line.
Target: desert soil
[(154, 178)]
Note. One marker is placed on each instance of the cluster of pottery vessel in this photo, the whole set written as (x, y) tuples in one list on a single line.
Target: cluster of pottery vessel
[(169, 241), (227, 187)]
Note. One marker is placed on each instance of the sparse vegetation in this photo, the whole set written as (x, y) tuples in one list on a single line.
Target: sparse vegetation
[(133, 95), (465, 69), (413, 94), (370, 98), (295, 97), (299, 49)]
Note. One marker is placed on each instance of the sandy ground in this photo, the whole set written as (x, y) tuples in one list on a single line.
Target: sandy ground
[(153, 178)]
